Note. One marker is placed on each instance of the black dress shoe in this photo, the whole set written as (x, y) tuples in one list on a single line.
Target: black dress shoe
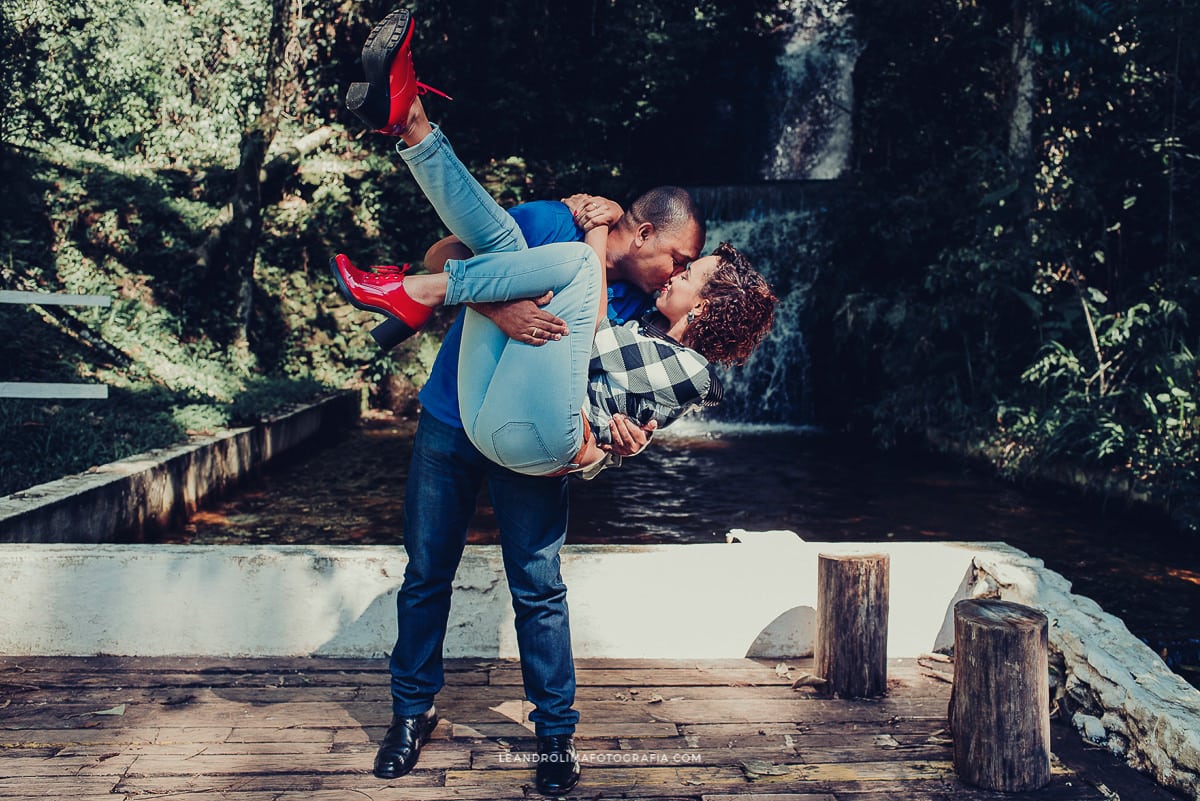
[(402, 744), (557, 764)]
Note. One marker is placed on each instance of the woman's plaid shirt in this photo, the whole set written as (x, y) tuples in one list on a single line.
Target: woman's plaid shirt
[(638, 371)]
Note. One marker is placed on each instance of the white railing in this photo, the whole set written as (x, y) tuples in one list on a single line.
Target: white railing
[(29, 389)]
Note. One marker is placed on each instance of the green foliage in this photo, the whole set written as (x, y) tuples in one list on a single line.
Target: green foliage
[(154, 79), (1041, 302), (91, 225), (1114, 401), (659, 90), (44, 441), (264, 396)]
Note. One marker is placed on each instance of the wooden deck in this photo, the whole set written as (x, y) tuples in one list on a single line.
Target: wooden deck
[(304, 730)]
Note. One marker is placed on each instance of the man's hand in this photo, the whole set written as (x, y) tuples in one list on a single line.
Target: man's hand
[(590, 211), (628, 438), (524, 320)]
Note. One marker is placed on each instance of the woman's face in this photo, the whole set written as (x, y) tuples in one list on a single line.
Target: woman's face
[(681, 294)]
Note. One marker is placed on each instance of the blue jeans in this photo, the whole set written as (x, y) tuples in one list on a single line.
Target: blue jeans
[(444, 479), (461, 203), (519, 403)]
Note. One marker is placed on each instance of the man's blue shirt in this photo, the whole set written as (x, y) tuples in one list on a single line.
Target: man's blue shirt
[(541, 222)]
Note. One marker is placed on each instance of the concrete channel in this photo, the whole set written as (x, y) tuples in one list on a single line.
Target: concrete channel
[(134, 498)]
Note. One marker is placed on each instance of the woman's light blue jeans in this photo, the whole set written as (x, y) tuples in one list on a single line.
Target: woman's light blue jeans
[(520, 403)]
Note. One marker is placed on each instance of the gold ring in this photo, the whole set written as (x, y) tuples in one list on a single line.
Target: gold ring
[(533, 333)]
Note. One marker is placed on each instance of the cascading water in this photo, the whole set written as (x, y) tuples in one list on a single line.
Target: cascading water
[(811, 94), (774, 385), (779, 223)]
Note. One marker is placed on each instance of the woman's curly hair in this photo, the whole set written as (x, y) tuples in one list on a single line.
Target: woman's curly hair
[(739, 310)]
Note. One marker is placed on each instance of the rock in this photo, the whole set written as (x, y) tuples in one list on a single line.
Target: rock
[(1127, 698), (1090, 727)]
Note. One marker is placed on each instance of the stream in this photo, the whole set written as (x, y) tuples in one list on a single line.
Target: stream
[(698, 482)]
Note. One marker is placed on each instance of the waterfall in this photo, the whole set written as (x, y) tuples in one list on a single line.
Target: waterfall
[(811, 94), (786, 245), (779, 223)]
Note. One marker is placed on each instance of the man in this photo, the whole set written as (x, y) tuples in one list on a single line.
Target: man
[(445, 476), (658, 236)]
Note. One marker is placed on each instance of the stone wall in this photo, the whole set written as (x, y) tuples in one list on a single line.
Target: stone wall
[(1110, 685)]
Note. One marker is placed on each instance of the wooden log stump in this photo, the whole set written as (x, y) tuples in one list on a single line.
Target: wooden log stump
[(852, 623), (1000, 706)]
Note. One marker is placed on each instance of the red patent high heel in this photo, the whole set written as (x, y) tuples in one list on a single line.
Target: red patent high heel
[(383, 100), (382, 291)]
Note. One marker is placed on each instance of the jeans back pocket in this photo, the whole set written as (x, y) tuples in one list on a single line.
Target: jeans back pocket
[(520, 444)]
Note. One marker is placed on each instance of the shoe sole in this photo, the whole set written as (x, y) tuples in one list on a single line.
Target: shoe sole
[(402, 330), (370, 100)]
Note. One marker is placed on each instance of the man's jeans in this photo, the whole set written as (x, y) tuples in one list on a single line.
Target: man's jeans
[(444, 478)]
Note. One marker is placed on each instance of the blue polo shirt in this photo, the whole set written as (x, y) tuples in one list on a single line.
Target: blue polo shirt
[(541, 222)]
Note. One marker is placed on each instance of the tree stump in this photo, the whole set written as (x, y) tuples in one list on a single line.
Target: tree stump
[(1000, 706), (852, 623)]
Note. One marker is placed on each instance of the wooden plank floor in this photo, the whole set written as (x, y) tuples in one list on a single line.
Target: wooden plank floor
[(304, 730)]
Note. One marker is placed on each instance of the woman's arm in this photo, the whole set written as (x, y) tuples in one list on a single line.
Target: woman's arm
[(595, 215), (597, 239), (589, 210)]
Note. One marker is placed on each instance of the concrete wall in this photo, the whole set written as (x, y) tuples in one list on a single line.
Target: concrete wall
[(669, 601), (159, 489)]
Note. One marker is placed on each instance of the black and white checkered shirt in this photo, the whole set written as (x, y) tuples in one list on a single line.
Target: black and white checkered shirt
[(638, 371)]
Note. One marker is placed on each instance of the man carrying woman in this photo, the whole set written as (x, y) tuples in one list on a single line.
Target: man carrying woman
[(522, 407)]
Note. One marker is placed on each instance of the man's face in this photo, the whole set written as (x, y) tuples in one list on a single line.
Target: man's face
[(657, 255)]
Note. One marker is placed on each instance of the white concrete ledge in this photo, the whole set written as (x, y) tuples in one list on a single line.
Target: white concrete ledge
[(665, 601), (158, 489)]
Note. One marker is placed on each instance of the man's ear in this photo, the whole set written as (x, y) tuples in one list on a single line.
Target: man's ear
[(643, 233)]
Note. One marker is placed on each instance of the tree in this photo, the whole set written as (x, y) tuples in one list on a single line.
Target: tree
[(243, 230)]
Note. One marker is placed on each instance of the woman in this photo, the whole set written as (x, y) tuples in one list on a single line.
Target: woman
[(541, 411)]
